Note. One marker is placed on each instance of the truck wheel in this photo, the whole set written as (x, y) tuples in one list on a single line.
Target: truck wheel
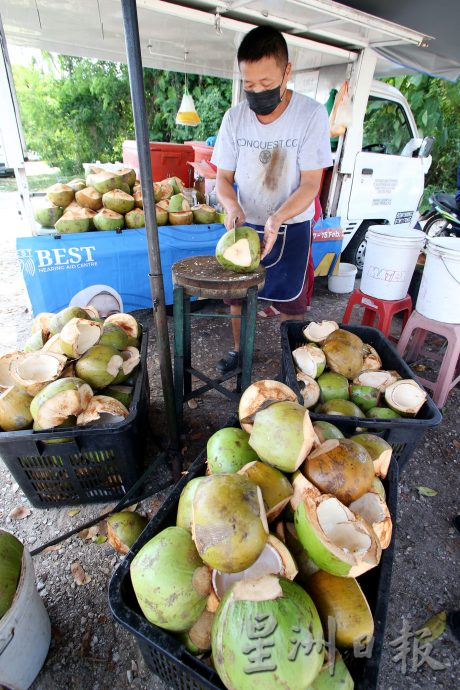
[(356, 250)]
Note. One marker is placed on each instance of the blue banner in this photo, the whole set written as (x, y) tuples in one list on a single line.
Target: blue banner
[(107, 269)]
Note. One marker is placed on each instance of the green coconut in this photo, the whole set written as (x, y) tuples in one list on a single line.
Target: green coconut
[(344, 353), (89, 198), (228, 450), (180, 218), (34, 370), (161, 215), (59, 400), (15, 409), (304, 563), (266, 610), (35, 342), (99, 366), (118, 201), (135, 218), (11, 551), (114, 336), (178, 203), (104, 181), (366, 397), (336, 540), (123, 394), (156, 191), (138, 201), (378, 487), (77, 184), (379, 450), (169, 580), (102, 410), (229, 524), (123, 529), (405, 397), (47, 214), (185, 505), (57, 322), (275, 486), (123, 187), (341, 408), (203, 213), (60, 194), (310, 360), (333, 386), (382, 413), (339, 680), (326, 431), (167, 190), (242, 256), (78, 335), (127, 322), (131, 358), (176, 184), (282, 435), (72, 222), (127, 176), (108, 220), (257, 396)]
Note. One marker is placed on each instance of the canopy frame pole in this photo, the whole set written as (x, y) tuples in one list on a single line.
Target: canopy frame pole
[(136, 82)]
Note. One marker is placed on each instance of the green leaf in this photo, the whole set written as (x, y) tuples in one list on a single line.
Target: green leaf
[(426, 491), (436, 625), (100, 539)]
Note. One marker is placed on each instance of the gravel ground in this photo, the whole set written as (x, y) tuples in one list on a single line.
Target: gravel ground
[(89, 651)]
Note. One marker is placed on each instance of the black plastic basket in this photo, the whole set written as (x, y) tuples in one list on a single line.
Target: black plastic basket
[(78, 465), (403, 434), (167, 658)]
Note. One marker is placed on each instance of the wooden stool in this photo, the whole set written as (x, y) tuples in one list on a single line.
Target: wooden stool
[(384, 309), (447, 378), (202, 276)]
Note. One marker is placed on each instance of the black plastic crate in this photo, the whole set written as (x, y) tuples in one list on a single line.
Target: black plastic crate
[(81, 465), (402, 434), (167, 658)]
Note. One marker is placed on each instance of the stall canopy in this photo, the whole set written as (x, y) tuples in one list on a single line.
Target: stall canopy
[(414, 35)]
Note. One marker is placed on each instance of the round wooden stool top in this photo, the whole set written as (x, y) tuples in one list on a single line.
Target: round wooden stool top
[(202, 276)]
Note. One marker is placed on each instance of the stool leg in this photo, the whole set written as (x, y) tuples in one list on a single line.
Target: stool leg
[(179, 353), (446, 374), (349, 309), (368, 317), (416, 345), (187, 346), (248, 328), (384, 322)]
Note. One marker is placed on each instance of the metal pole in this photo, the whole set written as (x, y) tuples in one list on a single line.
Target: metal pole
[(136, 81)]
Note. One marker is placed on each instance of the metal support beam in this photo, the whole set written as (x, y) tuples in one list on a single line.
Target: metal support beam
[(136, 81)]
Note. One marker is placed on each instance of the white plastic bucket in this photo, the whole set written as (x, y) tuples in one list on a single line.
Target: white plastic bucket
[(439, 294), (344, 281), (25, 632), (390, 260)]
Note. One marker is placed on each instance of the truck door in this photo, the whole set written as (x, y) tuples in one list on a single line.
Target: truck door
[(387, 182)]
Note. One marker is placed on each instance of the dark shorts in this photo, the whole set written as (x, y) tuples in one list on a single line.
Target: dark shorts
[(297, 306)]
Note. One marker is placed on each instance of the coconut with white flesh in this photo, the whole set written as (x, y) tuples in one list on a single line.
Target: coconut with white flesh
[(333, 386), (99, 366), (342, 599), (59, 320), (169, 579), (344, 353), (53, 345), (309, 389), (340, 680), (11, 550), (275, 559), (15, 409), (6, 380), (239, 250), (228, 450), (131, 358), (377, 379), (229, 525), (185, 505), (317, 331), (257, 396), (123, 394), (340, 408), (283, 435), (337, 540), (373, 508), (114, 336), (325, 431), (366, 397), (282, 606), (302, 487), (371, 358), (60, 400), (340, 467), (127, 322), (34, 370), (276, 488), (78, 335), (102, 410), (382, 413), (123, 529), (379, 450), (309, 359), (405, 397)]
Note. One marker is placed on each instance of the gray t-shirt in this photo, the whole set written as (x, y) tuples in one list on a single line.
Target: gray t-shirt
[(267, 159)]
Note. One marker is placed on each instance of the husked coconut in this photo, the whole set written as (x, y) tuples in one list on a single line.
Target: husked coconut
[(377, 379), (72, 222), (118, 201), (89, 198), (161, 215), (60, 401), (47, 214), (258, 396), (178, 203), (135, 218), (203, 213), (405, 397), (108, 220), (60, 194), (180, 218)]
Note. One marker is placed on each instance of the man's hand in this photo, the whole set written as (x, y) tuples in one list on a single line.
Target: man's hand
[(235, 214), (271, 230)]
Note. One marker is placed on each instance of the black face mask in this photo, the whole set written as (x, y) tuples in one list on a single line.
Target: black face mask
[(264, 102)]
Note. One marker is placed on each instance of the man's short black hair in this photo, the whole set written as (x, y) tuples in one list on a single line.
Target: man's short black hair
[(261, 42)]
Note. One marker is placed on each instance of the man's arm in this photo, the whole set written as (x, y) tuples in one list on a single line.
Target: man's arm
[(227, 197), (298, 202)]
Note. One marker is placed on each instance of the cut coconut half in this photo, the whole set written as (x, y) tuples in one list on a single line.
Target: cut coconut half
[(377, 379), (257, 396), (371, 358), (302, 487), (6, 379), (276, 488), (59, 401), (379, 450), (78, 335), (317, 331), (102, 410), (35, 342), (53, 345), (34, 370), (373, 508), (127, 322), (337, 540), (310, 360), (406, 397), (275, 559), (92, 311), (42, 323), (239, 253), (131, 358), (15, 409), (309, 389)]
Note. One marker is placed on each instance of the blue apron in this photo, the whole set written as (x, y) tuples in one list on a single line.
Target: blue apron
[(287, 262)]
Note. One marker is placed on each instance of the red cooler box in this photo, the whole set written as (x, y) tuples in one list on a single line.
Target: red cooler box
[(167, 159), (203, 152)]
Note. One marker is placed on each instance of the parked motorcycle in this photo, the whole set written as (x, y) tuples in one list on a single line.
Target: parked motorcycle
[(443, 217)]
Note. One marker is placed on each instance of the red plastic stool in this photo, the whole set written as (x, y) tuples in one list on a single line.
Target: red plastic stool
[(384, 309), (447, 378)]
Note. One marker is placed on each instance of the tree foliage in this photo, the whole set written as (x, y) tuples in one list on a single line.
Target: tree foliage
[(77, 110)]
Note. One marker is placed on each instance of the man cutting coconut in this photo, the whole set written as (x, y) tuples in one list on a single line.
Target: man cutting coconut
[(274, 146)]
